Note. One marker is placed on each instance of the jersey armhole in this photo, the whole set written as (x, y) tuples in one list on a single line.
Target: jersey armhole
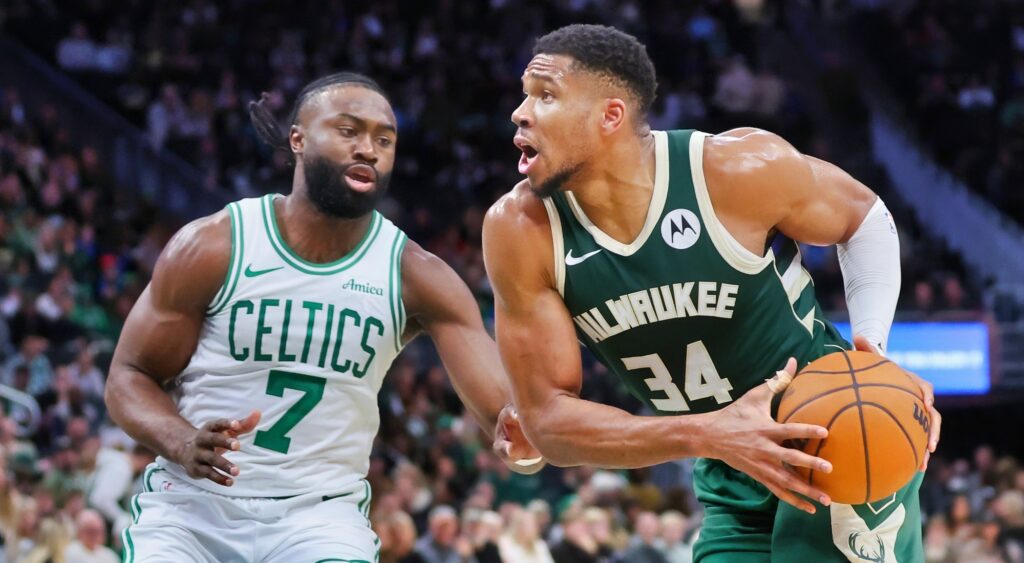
[(557, 243), (223, 296), (734, 253), (395, 283)]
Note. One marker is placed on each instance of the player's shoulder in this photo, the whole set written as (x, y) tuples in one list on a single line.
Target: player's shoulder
[(518, 210), (207, 239), (747, 151)]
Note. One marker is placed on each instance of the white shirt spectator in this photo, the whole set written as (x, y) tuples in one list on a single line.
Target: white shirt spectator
[(734, 91), (111, 481), (78, 553)]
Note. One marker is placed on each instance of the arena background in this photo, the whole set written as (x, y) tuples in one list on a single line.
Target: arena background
[(121, 120)]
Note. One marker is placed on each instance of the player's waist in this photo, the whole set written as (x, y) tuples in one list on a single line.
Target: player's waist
[(256, 482)]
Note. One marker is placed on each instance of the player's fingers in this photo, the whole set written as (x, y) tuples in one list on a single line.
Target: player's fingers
[(785, 495), (213, 440), (213, 460), (782, 378), (219, 425), (216, 476), (936, 429), (247, 424), (798, 431), (797, 458), (794, 483)]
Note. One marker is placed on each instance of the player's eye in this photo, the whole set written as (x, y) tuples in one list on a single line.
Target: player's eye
[(347, 131), (384, 142), (547, 97)]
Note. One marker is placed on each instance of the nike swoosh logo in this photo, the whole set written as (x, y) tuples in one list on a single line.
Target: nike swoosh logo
[(571, 260), (250, 273)]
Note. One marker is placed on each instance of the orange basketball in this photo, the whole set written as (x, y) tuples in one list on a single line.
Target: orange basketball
[(877, 422)]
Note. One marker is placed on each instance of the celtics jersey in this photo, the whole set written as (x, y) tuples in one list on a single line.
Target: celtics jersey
[(307, 345), (685, 316)]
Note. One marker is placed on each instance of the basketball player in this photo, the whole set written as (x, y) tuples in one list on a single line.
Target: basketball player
[(252, 361), (672, 256)]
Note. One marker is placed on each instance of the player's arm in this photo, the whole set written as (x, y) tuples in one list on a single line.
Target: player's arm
[(538, 344), (158, 340), (762, 184), (439, 303)]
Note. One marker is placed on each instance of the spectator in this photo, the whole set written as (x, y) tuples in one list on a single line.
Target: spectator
[(577, 545), (642, 546), (522, 542), (89, 546), (52, 544), (735, 90), (31, 357), (440, 543), (77, 51), (674, 546), (110, 475)]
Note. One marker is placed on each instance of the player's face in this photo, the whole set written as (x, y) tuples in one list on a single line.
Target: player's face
[(348, 150), (558, 122)]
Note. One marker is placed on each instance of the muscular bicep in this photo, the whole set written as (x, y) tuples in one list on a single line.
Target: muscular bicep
[(162, 329), (829, 208), (759, 183)]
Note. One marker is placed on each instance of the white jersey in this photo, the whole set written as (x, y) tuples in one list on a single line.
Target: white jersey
[(307, 345)]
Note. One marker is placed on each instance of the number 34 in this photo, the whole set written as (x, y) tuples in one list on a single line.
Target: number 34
[(701, 379)]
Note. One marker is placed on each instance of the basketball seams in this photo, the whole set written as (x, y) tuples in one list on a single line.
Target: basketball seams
[(863, 427), (840, 389), (821, 443), (910, 442), (841, 372)]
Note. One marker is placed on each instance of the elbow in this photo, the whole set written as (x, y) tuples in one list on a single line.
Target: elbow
[(549, 436)]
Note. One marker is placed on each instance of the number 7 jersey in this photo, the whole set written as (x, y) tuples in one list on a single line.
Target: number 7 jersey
[(306, 344), (685, 316)]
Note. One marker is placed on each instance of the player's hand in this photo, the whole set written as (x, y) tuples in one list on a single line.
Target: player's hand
[(202, 454), (927, 393), (745, 436), (511, 445)]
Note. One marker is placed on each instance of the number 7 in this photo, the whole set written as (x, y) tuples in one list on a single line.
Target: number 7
[(275, 438)]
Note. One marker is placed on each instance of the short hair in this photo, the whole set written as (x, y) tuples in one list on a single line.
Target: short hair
[(607, 51), (263, 119), (442, 511)]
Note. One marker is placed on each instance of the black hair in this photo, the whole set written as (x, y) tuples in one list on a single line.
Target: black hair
[(607, 51), (267, 126)]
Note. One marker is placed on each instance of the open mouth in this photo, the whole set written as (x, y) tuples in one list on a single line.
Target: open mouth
[(361, 177), (528, 157)]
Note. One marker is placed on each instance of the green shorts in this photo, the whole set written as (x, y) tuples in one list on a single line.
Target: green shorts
[(746, 523)]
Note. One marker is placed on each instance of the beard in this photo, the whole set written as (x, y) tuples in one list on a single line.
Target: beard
[(548, 187), (331, 194)]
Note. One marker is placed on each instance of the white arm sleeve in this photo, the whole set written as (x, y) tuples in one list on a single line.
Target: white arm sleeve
[(870, 262)]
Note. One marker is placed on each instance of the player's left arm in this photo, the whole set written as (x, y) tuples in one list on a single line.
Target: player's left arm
[(439, 303), (773, 187)]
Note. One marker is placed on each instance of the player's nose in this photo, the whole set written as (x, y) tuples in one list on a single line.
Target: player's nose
[(365, 150), (521, 117)]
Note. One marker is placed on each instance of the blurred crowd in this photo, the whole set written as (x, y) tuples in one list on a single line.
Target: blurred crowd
[(75, 252), (959, 68)]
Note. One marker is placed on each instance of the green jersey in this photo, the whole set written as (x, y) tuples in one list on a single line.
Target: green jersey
[(687, 317)]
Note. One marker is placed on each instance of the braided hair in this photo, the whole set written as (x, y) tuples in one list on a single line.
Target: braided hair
[(267, 126)]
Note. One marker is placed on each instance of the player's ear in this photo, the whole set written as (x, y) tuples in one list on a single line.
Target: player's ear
[(614, 115), (296, 140)]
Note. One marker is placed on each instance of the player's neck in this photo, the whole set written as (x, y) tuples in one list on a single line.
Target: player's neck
[(616, 187), (314, 235)]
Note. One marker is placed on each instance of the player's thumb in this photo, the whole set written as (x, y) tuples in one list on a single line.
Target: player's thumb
[(862, 344)]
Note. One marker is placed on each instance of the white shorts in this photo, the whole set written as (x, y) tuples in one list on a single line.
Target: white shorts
[(176, 522)]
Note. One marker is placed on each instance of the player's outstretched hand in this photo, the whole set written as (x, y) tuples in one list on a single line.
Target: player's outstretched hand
[(511, 445), (201, 455), (745, 436), (927, 392)]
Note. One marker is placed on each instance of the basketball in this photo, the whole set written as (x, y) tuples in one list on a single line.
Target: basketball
[(877, 421)]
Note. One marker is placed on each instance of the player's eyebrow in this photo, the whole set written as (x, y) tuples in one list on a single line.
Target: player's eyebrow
[(383, 124)]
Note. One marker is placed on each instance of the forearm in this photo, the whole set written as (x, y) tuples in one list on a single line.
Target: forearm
[(870, 262), (570, 431), (141, 407), (476, 373)]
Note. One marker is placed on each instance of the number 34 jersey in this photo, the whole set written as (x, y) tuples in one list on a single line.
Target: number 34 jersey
[(305, 344), (685, 316)]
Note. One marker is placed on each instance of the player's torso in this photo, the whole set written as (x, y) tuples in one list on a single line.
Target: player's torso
[(307, 345), (685, 316)]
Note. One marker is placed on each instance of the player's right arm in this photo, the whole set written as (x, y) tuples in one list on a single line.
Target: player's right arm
[(158, 340), (538, 346)]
